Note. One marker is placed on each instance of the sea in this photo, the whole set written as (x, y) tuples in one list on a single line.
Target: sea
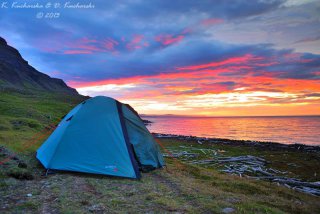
[(280, 129)]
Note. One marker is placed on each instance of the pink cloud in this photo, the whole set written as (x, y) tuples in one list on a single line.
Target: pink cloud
[(137, 43), (83, 45), (110, 44), (86, 45), (137, 39), (233, 60), (77, 52), (167, 39)]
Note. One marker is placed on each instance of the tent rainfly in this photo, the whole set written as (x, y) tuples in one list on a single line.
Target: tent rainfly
[(101, 136)]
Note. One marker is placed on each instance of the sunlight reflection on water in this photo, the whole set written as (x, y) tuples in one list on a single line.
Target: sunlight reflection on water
[(286, 130)]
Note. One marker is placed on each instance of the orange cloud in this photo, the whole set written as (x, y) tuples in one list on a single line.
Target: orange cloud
[(207, 89), (230, 61)]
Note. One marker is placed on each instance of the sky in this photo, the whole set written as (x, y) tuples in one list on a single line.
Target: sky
[(183, 57)]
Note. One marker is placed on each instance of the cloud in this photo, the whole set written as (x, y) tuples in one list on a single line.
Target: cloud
[(198, 58), (230, 61), (176, 52), (77, 52), (308, 39), (168, 39), (137, 43)]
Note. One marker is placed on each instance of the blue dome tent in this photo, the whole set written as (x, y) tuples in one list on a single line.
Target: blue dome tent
[(101, 136)]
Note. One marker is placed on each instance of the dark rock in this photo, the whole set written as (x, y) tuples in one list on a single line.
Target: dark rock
[(21, 175), (22, 165), (14, 158), (147, 122), (271, 146), (84, 202)]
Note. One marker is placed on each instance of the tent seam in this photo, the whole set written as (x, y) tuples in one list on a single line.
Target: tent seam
[(127, 141)]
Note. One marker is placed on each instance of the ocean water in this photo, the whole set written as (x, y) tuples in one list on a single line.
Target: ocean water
[(287, 130)]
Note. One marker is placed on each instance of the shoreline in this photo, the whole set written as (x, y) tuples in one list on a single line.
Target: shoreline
[(252, 143), (294, 166)]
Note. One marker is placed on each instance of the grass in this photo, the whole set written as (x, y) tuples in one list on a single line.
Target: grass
[(178, 188), (25, 115)]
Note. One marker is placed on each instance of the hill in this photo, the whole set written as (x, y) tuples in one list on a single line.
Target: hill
[(29, 99), (17, 74)]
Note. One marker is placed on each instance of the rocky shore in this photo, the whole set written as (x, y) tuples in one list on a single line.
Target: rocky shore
[(259, 144), (146, 122), (282, 164)]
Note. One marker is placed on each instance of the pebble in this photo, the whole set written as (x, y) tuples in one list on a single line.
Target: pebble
[(96, 208), (228, 210)]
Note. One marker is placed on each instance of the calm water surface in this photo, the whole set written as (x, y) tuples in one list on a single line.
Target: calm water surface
[(288, 130)]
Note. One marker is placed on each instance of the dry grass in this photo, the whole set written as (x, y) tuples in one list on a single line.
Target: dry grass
[(178, 188)]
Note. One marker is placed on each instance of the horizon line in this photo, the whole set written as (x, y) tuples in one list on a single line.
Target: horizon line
[(177, 115)]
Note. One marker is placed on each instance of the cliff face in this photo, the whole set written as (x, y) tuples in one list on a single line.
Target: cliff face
[(16, 73)]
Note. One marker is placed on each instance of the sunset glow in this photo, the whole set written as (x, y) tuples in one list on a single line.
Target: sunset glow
[(208, 89), (185, 58)]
